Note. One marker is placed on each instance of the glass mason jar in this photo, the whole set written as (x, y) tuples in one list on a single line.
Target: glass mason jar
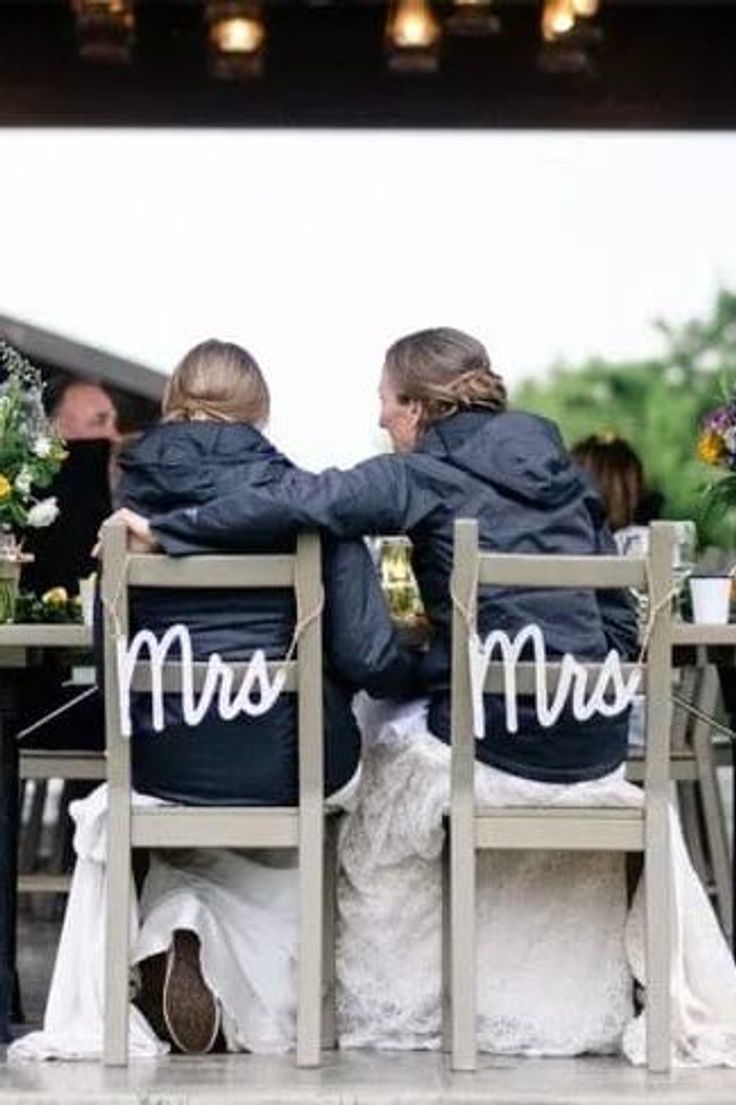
[(397, 578), (10, 565)]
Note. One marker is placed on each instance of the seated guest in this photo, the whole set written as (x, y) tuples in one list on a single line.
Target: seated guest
[(82, 410), (618, 475), (63, 551), (86, 417)]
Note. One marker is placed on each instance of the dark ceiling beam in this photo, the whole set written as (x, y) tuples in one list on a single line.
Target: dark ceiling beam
[(661, 64)]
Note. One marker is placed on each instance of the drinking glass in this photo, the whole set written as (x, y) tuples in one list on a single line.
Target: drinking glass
[(683, 560), (397, 577), (634, 541)]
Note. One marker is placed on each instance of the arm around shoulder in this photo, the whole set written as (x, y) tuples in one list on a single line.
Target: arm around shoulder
[(377, 496)]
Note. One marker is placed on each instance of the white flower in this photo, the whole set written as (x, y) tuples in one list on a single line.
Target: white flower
[(43, 513), (729, 439), (23, 481), (42, 447)]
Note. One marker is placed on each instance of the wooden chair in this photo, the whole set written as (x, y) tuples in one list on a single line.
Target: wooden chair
[(300, 827), (643, 830)]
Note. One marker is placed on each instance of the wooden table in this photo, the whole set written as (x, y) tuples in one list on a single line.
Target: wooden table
[(686, 633), (21, 646)]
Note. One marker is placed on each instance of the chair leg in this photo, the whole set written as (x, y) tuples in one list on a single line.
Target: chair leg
[(309, 1001), (30, 833), (660, 904), (690, 820), (710, 796), (329, 1033), (119, 889), (462, 944), (446, 975)]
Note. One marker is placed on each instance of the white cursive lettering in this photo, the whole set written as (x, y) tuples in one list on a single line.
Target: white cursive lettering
[(610, 695), (255, 696)]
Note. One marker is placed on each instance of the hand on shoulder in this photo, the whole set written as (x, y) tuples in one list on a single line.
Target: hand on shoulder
[(140, 538)]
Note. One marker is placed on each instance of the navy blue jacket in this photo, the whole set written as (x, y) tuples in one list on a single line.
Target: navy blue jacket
[(511, 472), (250, 761)]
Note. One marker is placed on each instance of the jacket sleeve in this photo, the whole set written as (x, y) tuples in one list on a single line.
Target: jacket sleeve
[(617, 605), (362, 644), (380, 495)]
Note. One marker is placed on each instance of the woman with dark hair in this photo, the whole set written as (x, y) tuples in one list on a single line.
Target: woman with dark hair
[(618, 475), (554, 977)]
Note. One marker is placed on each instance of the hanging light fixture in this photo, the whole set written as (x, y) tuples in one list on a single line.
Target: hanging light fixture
[(586, 9), (237, 38), (473, 17), (105, 29), (413, 36), (568, 36), (558, 19)]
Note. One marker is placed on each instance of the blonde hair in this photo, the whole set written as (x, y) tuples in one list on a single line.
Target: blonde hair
[(216, 381), (446, 371)]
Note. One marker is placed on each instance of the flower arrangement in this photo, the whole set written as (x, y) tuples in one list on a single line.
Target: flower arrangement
[(717, 447), (55, 606), (31, 452)]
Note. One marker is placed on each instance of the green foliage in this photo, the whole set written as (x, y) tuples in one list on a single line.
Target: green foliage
[(657, 405)]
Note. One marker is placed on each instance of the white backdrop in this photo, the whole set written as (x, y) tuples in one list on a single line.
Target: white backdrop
[(317, 249)]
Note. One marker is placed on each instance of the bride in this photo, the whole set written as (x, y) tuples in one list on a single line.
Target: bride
[(219, 930)]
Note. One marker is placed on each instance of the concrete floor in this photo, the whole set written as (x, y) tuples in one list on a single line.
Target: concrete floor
[(347, 1078), (361, 1078)]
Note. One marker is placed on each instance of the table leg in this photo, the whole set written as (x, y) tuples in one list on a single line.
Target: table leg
[(733, 845), (9, 993)]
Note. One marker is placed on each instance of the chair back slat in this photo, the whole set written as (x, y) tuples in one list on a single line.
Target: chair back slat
[(463, 585), (525, 677), (115, 620), (308, 597), (213, 572), (599, 573), (659, 664), (142, 678), (311, 790)]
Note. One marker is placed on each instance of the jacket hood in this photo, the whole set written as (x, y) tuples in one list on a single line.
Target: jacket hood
[(520, 454), (177, 464)]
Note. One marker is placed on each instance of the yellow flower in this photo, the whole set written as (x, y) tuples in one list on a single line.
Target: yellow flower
[(711, 448), (57, 596), (6, 489)]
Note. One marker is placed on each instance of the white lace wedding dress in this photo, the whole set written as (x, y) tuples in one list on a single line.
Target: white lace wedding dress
[(557, 948)]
